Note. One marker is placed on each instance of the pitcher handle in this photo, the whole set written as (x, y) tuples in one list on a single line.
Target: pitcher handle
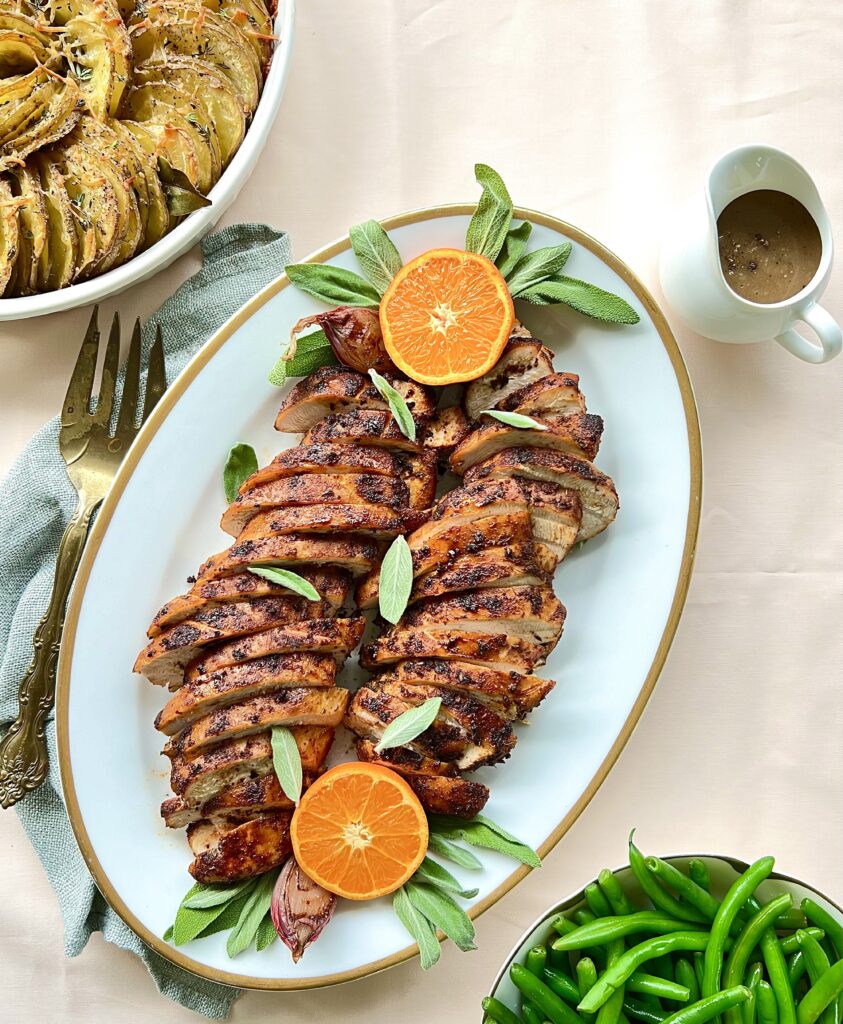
[(826, 329)]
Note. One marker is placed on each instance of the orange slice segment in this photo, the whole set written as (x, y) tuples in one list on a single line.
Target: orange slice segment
[(359, 831), (446, 316)]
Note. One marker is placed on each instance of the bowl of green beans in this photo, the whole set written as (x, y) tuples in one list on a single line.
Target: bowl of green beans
[(678, 940)]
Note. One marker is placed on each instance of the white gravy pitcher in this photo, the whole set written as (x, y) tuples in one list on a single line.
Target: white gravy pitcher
[(693, 281)]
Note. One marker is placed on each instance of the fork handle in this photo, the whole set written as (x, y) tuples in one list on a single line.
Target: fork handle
[(23, 750)]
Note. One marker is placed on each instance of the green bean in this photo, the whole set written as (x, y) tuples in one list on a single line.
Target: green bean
[(605, 929), (821, 994), (685, 887), (820, 917), (531, 1014), (711, 1006), (768, 1012), (535, 990), (777, 973), (753, 977), (612, 1010), (685, 975), (698, 969), (562, 925), (817, 962), (562, 984), (613, 892), (796, 967), (557, 959), (790, 945), (641, 1011), (698, 871), (496, 1011), (663, 967), (618, 973), (659, 897), (586, 974), (746, 942), (536, 960), (650, 985), (740, 890), (583, 916), (596, 900), (788, 920)]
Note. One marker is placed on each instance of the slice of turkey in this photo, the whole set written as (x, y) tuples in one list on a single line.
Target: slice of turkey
[(244, 799), (496, 650), (523, 361), (596, 491), (349, 552), (418, 472), (557, 394), (519, 565), (289, 706), (445, 430), (337, 637), (376, 521), (578, 435), (332, 585), (361, 426), (165, 657), (323, 458), (314, 489), (337, 389), (237, 682), (230, 854)]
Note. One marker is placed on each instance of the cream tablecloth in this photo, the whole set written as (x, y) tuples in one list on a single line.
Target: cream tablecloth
[(602, 113)]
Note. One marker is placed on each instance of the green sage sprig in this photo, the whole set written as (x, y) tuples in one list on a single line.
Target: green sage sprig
[(334, 285), (396, 580), (409, 725), (286, 761), (483, 832), (514, 247), (313, 351), (284, 578), (580, 295), (376, 254), (240, 463), (397, 406), (515, 419), (488, 228)]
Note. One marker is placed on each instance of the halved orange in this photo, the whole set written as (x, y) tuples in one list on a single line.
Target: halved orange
[(446, 316), (359, 831)]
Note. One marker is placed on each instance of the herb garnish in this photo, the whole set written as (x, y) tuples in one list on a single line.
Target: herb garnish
[(285, 578), (376, 253), (515, 419), (397, 405), (409, 725), (396, 580), (286, 760), (239, 466)]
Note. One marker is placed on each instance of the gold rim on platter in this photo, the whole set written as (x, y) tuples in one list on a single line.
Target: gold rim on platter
[(160, 413)]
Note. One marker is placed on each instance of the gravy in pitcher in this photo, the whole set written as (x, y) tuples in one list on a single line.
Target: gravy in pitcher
[(770, 246)]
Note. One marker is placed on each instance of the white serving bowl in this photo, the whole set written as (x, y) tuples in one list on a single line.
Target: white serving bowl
[(723, 870), (192, 228)]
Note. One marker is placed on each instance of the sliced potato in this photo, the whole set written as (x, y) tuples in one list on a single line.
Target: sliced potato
[(163, 106), (26, 186), (167, 142), (49, 124), (196, 79), (99, 52), (57, 267), (9, 232), (255, 22), (192, 30), (152, 203)]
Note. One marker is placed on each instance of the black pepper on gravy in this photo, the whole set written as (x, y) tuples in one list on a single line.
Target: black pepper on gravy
[(770, 246)]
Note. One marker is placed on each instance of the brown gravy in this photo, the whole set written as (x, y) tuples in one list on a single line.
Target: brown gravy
[(770, 246)]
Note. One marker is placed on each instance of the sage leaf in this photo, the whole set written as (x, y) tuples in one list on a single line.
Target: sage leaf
[(454, 853), (239, 466), (213, 895), (407, 726), (537, 266), (286, 760), (333, 285), (266, 934), (189, 923), (488, 228), (183, 201), (443, 912), (396, 580), (230, 915), (583, 297), (397, 406), (419, 928), (253, 912), (376, 253), (486, 834), (313, 351), (168, 934), (285, 578), (515, 419), (514, 247), (434, 874)]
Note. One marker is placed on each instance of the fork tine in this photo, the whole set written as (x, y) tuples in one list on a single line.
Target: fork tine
[(78, 398), (156, 377), (109, 374), (131, 387)]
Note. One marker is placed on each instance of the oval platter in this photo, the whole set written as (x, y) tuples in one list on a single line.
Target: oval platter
[(624, 592)]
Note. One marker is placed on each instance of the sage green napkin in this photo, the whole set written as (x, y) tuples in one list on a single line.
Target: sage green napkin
[(36, 503)]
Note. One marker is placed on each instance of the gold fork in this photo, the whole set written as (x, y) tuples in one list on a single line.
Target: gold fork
[(92, 453)]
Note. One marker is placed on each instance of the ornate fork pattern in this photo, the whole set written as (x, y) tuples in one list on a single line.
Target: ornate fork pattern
[(92, 450)]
